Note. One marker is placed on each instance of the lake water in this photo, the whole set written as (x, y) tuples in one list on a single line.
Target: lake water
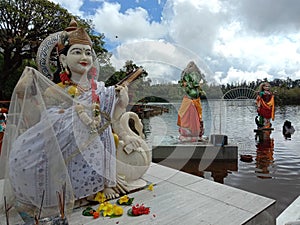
[(275, 169)]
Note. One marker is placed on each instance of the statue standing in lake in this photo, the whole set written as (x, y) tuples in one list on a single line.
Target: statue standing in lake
[(265, 106), (190, 112)]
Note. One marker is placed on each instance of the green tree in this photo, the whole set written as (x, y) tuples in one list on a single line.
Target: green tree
[(128, 68), (24, 25), (106, 68)]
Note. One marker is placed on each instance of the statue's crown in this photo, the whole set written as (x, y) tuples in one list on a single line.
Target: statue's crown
[(73, 35)]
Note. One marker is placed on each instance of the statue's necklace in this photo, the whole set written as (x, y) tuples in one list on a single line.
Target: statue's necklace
[(74, 89)]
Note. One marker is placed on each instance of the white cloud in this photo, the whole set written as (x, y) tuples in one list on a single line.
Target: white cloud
[(132, 25), (236, 76), (193, 23), (238, 40), (72, 6), (164, 61)]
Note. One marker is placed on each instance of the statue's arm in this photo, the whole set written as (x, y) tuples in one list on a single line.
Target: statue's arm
[(24, 86), (28, 98), (34, 93)]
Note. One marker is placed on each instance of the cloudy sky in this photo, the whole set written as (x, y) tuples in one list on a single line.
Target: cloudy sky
[(229, 40)]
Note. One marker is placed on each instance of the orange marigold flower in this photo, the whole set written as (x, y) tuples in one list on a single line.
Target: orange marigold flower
[(96, 215)]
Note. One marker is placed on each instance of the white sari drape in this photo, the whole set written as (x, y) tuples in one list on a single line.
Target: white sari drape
[(47, 146)]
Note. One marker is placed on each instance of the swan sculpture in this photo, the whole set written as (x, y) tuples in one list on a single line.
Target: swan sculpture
[(133, 154)]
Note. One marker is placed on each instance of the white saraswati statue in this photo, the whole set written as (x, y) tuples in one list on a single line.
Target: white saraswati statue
[(60, 133)]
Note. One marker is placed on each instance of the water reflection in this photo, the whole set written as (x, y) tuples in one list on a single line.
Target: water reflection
[(280, 159), (264, 153), (217, 170)]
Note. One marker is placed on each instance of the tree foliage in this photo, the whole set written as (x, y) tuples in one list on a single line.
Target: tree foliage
[(286, 92), (24, 25), (128, 68)]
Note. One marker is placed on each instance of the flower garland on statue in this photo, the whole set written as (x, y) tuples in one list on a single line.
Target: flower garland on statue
[(71, 87), (74, 89)]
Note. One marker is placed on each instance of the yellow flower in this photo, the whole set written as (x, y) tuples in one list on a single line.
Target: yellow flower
[(61, 85), (150, 187), (123, 199), (73, 91), (101, 207), (100, 197), (117, 210), (108, 210)]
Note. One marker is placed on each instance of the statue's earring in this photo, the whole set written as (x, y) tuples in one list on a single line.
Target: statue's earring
[(64, 76)]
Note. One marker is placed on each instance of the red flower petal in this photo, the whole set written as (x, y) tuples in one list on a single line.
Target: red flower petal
[(64, 77)]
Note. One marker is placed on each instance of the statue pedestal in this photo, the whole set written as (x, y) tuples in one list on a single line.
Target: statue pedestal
[(263, 129), (132, 185), (218, 139), (135, 185)]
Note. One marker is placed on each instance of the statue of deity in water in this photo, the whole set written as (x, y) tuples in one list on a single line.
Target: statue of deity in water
[(190, 120), (265, 106)]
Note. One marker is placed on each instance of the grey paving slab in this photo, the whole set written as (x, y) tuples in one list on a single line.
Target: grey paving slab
[(233, 196), (180, 198)]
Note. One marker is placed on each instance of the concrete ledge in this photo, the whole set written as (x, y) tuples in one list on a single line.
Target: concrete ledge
[(291, 215), (195, 151), (181, 198), (263, 217)]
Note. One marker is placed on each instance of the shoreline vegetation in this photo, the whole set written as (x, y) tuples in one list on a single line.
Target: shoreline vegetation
[(286, 93)]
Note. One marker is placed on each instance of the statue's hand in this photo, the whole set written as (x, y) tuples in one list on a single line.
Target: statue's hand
[(26, 83), (132, 143)]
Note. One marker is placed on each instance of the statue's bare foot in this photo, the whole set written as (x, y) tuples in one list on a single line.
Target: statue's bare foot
[(81, 202), (91, 198), (110, 193)]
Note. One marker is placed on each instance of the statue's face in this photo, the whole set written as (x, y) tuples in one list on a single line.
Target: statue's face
[(79, 58), (267, 87)]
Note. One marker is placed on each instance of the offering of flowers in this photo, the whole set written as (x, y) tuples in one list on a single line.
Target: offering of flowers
[(110, 210), (138, 210), (125, 200), (89, 211), (104, 209)]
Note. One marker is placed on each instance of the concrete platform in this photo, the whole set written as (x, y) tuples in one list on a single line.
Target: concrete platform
[(181, 198), (195, 151), (291, 215)]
